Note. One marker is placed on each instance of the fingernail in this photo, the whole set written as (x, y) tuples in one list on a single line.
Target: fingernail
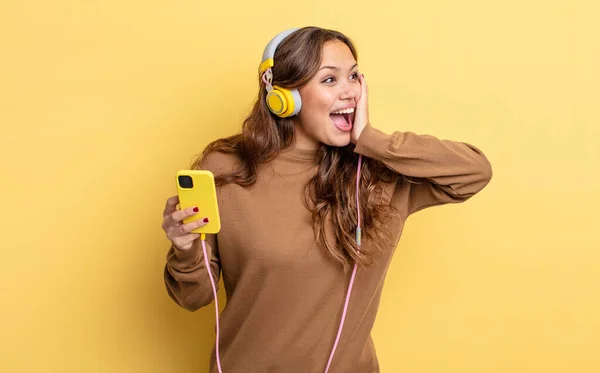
[(205, 220), (196, 209)]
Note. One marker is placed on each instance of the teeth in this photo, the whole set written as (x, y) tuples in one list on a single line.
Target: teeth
[(345, 111)]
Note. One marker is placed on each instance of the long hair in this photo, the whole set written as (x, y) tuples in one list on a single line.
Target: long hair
[(330, 194)]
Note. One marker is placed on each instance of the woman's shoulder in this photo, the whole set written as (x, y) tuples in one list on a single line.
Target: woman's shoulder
[(217, 162)]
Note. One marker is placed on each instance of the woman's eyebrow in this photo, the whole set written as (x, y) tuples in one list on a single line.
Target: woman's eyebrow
[(336, 68)]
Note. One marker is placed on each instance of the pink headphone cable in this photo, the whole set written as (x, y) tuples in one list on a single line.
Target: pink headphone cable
[(212, 281), (358, 241)]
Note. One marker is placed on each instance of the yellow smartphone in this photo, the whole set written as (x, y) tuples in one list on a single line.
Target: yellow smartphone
[(197, 188)]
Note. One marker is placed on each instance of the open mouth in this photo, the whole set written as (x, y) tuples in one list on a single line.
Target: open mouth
[(343, 119)]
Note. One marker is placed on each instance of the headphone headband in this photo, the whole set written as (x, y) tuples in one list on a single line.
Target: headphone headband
[(269, 52)]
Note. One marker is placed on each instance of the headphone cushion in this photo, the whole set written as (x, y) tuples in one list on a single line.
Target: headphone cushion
[(277, 102), (297, 101), (284, 102)]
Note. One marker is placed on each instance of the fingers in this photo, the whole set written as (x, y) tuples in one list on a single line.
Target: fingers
[(184, 229), (362, 96), (179, 215), (171, 205), (361, 116), (174, 219), (181, 236), (172, 223), (178, 233), (363, 86), (173, 216)]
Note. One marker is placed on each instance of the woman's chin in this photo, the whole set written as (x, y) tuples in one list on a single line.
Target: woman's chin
[(340, 140)]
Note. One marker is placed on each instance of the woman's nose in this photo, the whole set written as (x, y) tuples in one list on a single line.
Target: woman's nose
[(348, 92)]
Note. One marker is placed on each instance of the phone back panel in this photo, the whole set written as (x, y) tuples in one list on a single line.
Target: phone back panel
[(202, 194)]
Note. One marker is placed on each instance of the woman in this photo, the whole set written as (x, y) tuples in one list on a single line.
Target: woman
[(288, 249)]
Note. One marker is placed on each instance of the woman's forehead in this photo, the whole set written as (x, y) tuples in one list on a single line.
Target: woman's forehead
[(337, 55)]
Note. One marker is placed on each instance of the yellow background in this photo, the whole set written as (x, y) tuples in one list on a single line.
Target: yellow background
[(102, 101)]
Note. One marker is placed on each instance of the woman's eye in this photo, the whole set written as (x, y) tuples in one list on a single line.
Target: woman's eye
[(331, 79)]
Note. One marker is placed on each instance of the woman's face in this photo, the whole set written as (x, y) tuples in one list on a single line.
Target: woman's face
[(333, 88)]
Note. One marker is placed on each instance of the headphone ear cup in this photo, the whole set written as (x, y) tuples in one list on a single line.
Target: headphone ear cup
[(277, 102), (284, 102)]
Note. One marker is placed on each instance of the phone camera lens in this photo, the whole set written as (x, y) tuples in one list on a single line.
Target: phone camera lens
[(185, 181)]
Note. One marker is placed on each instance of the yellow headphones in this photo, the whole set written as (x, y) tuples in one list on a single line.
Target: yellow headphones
[(281, 101)]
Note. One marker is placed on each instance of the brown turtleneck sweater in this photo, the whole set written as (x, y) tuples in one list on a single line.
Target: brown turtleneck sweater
[(285, 293)]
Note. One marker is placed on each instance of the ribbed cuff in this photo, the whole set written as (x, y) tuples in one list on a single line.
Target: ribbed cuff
[(184, 258), (373, 143)]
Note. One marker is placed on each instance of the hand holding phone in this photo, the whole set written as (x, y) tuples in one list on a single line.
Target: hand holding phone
[(199, 211), (178, 232)]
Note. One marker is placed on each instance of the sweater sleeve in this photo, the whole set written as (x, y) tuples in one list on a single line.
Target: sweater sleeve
[(440, 171), (186, 276)]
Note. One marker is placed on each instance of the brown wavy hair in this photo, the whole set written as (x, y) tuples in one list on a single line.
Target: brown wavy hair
[(331, 192)]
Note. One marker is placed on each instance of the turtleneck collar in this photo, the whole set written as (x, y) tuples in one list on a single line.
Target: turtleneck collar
[(306, 156)]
